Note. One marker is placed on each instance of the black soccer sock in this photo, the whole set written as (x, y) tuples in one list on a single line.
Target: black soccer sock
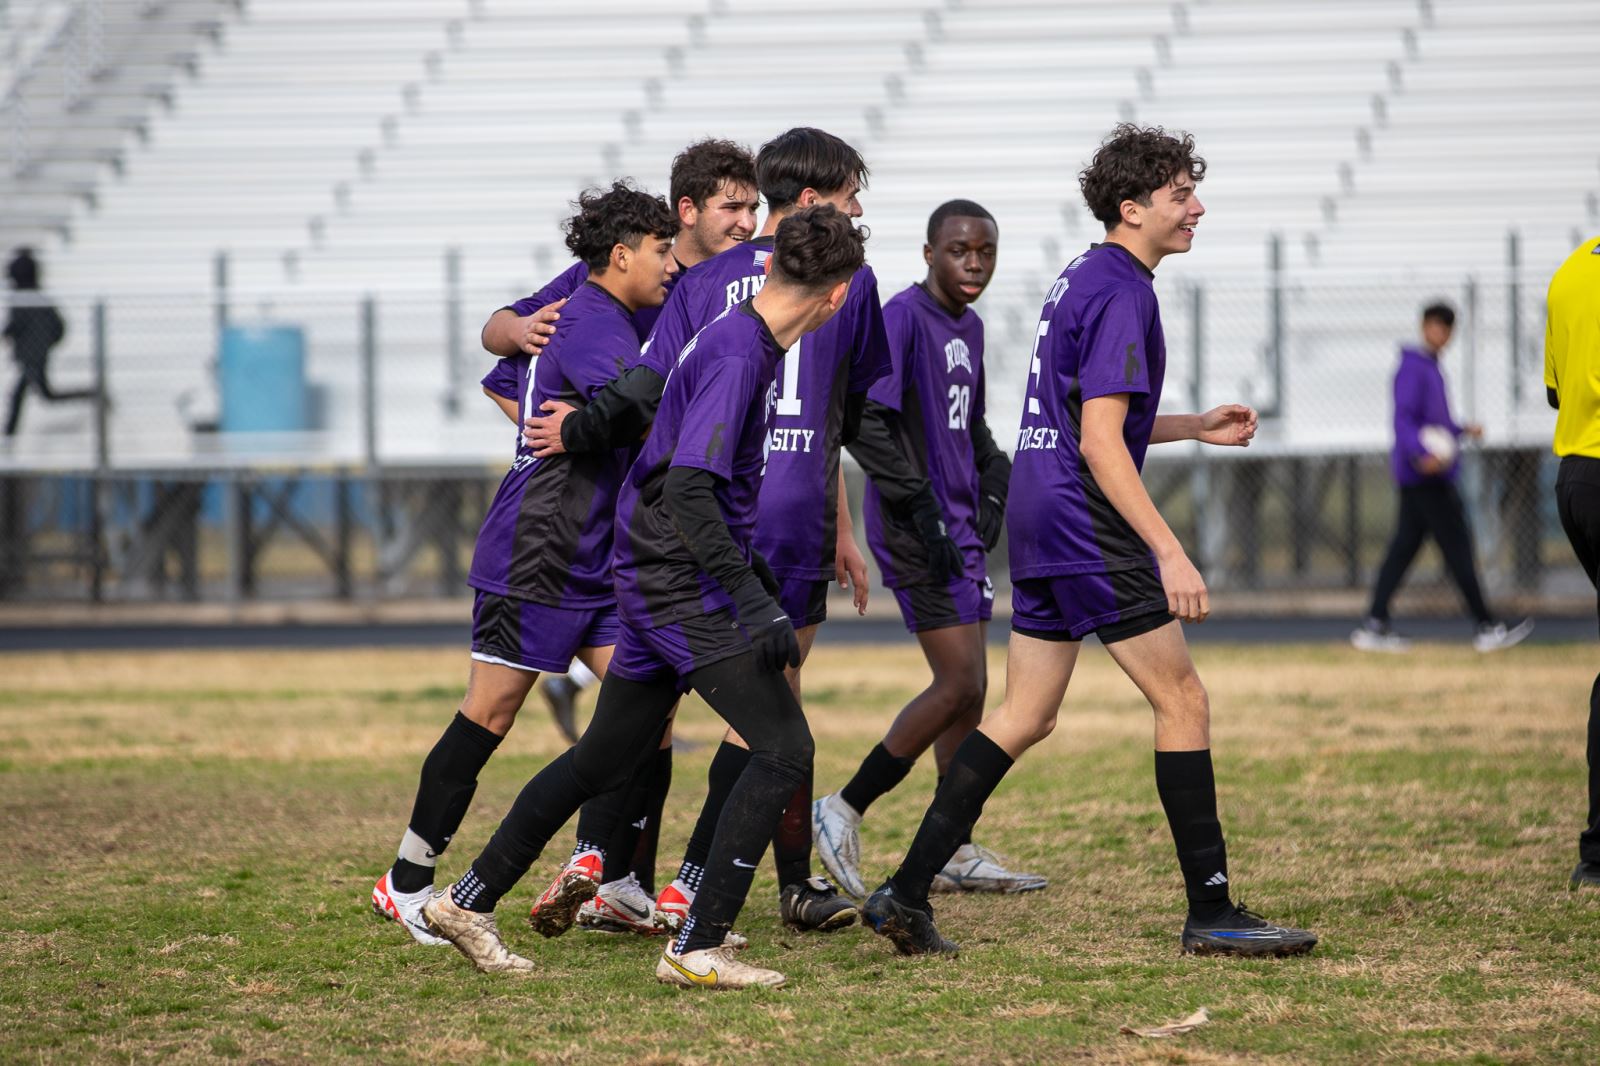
[(1188, 792), (615, 818), (966, 837), (879, 773), (748, 819), (726, 767), (449, 778), (649, 842), (977, 769), (542, 807), (791, 844)]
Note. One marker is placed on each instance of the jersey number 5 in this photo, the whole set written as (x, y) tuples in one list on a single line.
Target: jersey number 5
[(1035, 368)]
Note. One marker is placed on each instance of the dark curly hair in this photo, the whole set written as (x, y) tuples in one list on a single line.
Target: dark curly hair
[(817, 248), (1133, 162), (622, 214), (700, 169), (805, 158)]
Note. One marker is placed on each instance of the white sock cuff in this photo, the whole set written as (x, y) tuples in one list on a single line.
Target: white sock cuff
[(414, 849)]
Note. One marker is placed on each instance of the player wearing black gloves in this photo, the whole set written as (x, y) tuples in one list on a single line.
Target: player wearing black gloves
[(935, 505)]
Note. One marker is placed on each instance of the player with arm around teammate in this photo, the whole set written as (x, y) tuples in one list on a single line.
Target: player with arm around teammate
[(699, 612), (1090, 553), (541, 567), (932, 466)]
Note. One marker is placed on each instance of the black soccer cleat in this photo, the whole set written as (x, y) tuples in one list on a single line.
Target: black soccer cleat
[(814, 905), (909, 925), (1244, 932), (561, 693), (1587, 875)]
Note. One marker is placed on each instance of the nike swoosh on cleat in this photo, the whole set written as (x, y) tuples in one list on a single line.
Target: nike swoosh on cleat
[(699, 979), (1246, 934)]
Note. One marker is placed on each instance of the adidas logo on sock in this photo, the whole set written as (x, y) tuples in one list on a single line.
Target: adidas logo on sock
[(1218, 878)]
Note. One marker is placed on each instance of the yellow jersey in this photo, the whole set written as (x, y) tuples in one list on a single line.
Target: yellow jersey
[(1572, 351)]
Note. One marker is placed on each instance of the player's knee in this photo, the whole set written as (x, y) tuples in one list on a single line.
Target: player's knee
[(1186, 698)]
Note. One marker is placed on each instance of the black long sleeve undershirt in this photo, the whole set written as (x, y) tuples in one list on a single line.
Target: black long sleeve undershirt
[(619, 414), (691, 498), (994, 467), (905, 490)]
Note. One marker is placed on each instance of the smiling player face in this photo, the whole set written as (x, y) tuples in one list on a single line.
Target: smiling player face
[(725, 219), (1168, 224), (961, 259)]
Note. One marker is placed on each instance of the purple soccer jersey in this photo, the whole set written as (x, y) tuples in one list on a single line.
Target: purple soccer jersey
[(714, 416), (936, 383), (1099, 335), (797, 528), (564, 284), (547, 535)]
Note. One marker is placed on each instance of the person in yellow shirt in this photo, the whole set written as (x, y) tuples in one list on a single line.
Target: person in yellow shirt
[(1572, 383)]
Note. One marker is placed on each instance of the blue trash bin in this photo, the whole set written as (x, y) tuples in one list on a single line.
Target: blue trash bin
[(262, 376)]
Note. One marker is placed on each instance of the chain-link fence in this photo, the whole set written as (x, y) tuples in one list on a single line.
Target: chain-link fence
[(324, 446)]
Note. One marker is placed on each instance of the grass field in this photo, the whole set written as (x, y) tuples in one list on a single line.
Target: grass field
[(193, 838)]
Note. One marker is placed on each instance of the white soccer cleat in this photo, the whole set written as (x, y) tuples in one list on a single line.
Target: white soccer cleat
[(621, 906), (405, 909), (1499, 636), (474, 934), (715, 968), (1373, 635), (977, 869), (835, 827)]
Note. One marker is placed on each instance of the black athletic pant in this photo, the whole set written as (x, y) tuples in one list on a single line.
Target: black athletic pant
[(627, 721), (1433, 507), (1578, 501), (33, 376)]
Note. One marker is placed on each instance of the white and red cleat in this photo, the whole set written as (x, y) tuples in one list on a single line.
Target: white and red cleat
[(672, 905), (553, 913), (404, 908), (621, 906)]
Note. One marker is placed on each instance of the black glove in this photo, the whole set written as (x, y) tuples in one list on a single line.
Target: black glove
[(991, 516), (771, 634), (944, 557)]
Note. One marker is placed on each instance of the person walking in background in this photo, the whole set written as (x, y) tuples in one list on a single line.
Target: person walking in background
[(34, 327), (1572, 383), (1425, 464)]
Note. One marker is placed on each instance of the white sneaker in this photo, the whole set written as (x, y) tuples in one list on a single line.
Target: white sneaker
[(621, 906), (835, 827), (977, 869), (1373, 635), (404, 908), (1498, 637), (716, 968)]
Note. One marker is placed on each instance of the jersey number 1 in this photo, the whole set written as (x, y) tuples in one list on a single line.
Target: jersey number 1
[(789, 397)]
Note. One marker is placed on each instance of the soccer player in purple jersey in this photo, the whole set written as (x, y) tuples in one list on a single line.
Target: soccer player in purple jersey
[(542, 566), (823, 387), (932, 465), (713, 190), (1091, 554), (700, 612)]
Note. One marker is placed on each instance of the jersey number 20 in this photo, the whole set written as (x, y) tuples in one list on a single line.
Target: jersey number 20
[(960, 406)]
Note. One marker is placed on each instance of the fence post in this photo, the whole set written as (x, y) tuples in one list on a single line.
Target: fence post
[(1469, 354), (102, 456), (369, 382), (219, 277), (452, 331), (1275, 326), (1514, 318)]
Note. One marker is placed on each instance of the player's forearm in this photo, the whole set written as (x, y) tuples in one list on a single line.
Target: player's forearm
[(900, 484), (507, 407), (1113, 470), (843, 521), (618, 415), (691, 499), (502, 334), (1169, 428)]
